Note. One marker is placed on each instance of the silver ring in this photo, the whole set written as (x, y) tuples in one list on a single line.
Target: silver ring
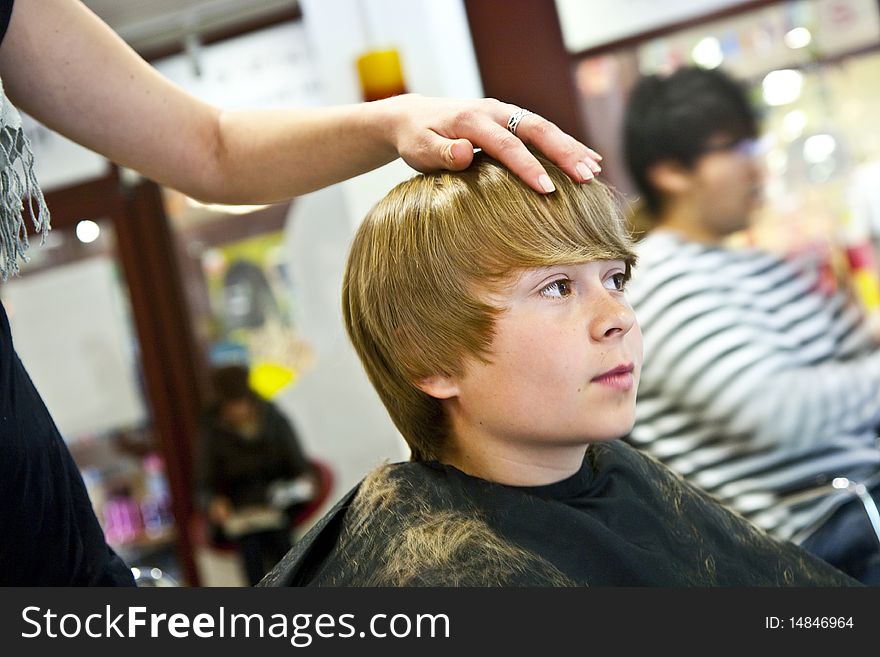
[(515, 118)]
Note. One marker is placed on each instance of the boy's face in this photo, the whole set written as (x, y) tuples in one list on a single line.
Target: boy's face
[(565, 361)]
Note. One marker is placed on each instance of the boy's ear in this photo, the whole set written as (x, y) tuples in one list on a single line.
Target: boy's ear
[(439, 386), (669, 177)]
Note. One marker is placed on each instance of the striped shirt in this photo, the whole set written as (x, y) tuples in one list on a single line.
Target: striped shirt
[(755, 387)]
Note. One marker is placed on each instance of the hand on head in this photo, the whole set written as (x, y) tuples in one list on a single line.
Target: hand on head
[(439, 133)]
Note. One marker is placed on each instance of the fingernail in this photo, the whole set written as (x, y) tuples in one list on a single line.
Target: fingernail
[(455, 151), (595, 167), (583, 171), (546, 184), (596, 155)]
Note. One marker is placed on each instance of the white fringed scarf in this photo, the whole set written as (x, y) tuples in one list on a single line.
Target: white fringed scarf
[(18, 182)]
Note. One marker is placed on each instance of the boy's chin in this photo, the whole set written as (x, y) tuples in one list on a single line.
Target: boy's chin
[(612, 433), (606, 439)]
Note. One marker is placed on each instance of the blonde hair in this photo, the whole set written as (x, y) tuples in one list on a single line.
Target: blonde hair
[(425, 256), (415, 543)]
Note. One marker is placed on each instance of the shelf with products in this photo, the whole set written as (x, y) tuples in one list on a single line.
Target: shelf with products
[(128, 486)]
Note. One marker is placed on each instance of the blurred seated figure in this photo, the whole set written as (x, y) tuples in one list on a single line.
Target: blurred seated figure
[(756, 386), (254, 477)]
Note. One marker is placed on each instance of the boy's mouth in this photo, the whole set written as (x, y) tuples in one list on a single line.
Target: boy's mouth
[(621, 377)]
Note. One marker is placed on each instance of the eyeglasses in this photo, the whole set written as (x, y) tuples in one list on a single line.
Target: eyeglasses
[(747, 147)]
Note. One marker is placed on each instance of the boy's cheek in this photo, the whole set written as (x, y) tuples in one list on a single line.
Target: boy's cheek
[(636, 345)]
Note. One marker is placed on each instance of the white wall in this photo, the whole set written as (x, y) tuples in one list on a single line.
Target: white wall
[(590, 23), (431, 35), (84, 373)]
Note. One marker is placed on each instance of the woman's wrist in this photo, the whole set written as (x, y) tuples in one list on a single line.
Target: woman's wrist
[(387, 120)]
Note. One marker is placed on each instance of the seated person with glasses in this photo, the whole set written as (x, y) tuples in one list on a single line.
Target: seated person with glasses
[(495, 327), (756, 386)]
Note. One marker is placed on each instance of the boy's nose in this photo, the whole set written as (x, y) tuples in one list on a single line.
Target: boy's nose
[(613, 318)]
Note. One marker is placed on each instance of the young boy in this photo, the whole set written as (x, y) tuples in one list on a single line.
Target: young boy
[(494, 325)]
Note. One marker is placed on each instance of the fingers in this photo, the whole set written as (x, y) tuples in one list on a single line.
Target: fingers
[(442, 135), (462, 154), (487, 128), (578, 161), (512, 153), (457, 154), (437, 152)]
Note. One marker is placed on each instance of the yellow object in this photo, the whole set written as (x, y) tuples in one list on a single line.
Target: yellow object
[(380, 74), (868, 288), (268, 379)]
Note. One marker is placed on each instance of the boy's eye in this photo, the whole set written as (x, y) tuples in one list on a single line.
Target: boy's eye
[(616, 282), (557, 289)]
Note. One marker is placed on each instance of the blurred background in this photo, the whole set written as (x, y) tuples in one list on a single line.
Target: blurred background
[(148, 290)]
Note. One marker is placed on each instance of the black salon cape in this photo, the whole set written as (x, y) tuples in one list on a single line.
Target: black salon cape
[(622, 520)]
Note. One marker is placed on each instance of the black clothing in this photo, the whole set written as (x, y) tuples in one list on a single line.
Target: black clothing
[(242, 469), (622, 520), (848, 542), (49, 534), (260, 551), (5, 13)]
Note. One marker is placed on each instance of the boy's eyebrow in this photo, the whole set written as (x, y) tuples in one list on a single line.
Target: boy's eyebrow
[(533, 275), (517, 276), (529, 275)]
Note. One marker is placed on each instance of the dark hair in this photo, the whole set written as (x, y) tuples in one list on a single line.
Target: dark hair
[(230, 383), (673, 118)]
